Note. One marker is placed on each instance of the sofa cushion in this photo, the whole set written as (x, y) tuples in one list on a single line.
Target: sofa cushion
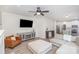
[(13, 38)]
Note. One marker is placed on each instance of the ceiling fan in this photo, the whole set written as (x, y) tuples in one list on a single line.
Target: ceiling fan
[(39, 11)]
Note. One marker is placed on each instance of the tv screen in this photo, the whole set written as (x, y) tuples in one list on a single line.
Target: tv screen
[(25, 23)]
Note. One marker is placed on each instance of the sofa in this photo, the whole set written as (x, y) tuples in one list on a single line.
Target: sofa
[(12, 41)]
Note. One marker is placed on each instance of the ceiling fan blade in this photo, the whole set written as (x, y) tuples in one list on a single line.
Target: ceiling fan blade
[(39, 12), (46, 11)]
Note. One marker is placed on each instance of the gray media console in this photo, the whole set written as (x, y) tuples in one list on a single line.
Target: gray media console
[(26, 35)]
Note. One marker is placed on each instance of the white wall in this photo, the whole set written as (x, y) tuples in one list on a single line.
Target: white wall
[(11, 22), (0, 21), (42, 23)]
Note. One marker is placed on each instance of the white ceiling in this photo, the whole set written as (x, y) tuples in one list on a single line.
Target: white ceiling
[(57, 12)]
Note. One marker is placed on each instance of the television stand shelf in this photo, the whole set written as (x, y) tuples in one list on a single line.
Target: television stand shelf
[(26, 35)]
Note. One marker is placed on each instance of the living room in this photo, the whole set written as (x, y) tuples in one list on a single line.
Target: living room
[(11, 16)]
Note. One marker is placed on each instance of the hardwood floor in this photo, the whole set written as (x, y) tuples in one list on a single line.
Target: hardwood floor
[(23, 49)]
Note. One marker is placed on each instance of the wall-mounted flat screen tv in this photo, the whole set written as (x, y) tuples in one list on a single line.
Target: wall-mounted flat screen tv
[(26, 23)]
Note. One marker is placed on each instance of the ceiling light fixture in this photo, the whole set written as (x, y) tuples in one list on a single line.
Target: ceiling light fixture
[(38, 13), (66, 16)]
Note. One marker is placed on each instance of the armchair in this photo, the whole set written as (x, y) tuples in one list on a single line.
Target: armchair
[(11, 43)]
